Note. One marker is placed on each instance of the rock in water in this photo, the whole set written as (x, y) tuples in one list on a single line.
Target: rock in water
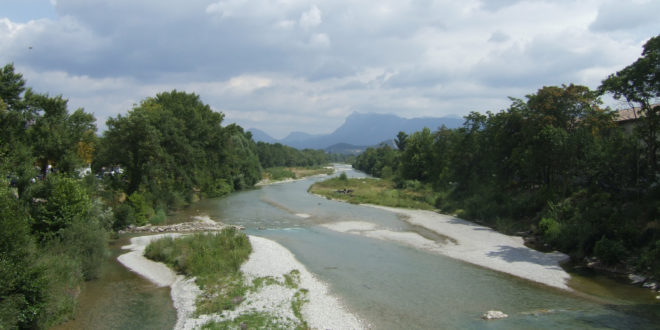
[(494, 315)]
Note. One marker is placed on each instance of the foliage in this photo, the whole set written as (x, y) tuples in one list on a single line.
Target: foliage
[(279, 155), (639, 84), (22, 296), (279, 173), (555, 163), (610, 252), (375, 191), (172, 146), (52, 225), (214, 259), (64, 199)]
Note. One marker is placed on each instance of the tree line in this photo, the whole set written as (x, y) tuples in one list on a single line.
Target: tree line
[(64, 190), (556, 163)]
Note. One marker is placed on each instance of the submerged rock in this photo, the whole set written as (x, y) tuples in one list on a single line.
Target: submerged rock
[(494, 315)]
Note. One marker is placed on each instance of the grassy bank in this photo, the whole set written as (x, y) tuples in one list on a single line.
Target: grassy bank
[(283, 173), (376, 191), (215, 260)]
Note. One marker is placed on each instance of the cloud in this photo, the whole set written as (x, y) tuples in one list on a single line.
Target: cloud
[(627, 16), (311, 18), (299, 65)]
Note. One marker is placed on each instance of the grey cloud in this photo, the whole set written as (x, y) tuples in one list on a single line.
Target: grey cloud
[(498, 37), (413, 58), (627, 15)]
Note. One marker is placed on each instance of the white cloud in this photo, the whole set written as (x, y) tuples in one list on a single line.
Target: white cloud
[(311, 18), (288, 65), (320, 40), (248, 84)]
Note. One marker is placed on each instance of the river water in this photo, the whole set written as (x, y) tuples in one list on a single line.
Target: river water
[(389, 286)]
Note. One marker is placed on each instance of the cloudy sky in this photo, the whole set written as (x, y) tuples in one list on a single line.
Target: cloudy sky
[(298, 65)]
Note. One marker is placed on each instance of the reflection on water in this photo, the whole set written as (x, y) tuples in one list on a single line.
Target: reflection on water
[(120, 299)]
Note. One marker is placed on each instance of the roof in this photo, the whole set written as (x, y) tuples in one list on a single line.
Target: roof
[(635, 113)]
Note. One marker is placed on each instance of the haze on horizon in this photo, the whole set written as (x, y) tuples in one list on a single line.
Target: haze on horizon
[(294, 65)]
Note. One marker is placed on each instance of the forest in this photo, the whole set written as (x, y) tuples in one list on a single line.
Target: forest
[(66, 190), (555, 165)]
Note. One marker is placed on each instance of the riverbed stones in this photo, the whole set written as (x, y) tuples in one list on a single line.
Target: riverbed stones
[(494, 315), (185, 227)]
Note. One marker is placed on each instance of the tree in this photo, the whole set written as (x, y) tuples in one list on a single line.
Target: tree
[(639, 84), (400, 140)]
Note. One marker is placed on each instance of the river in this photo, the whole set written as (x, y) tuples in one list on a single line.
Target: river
[(389, 286)]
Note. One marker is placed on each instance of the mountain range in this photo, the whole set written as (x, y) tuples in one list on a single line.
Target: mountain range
[(359, 131)]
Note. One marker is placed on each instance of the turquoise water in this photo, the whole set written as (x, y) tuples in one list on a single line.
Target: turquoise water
[(389, 286)]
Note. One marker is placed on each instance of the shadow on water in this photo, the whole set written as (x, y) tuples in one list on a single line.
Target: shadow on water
[(121, 299)]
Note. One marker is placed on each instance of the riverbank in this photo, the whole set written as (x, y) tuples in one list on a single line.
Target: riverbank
[(292, 174), (469, 242), (268, 260)]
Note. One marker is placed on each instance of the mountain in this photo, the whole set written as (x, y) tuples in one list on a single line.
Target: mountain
[(261, 136), (366, 130)]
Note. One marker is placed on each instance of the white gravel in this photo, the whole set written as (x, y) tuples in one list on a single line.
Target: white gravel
[(469, 242), (322, 311)]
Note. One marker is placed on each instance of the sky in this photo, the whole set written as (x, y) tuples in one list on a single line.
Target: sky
[(298, 65)]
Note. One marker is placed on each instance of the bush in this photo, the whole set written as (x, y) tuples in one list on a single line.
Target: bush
[(65, 199), (550, 229), (343, 176), (124, 215), (86, 241), (159, 218), (610, 252)]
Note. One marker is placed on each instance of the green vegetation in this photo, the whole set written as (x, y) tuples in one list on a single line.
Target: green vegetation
[(167, 152), (52, 223), (254, 320), (555, 163), (215, 260), (173, 150), (376, 191), (279, 155)]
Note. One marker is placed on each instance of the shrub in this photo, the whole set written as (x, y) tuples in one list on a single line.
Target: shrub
[(65, 199), (159, 218), (610, 252), (343, 176), (86, 241), (550, 229)]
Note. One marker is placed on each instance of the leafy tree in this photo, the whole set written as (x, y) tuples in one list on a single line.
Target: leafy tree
[(400, 140), (171, 147), (22, 296), (639, 84)]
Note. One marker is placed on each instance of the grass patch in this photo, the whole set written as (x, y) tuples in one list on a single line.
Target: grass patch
[(298, 301), (254, 320), (214, 259), (376, 191)]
